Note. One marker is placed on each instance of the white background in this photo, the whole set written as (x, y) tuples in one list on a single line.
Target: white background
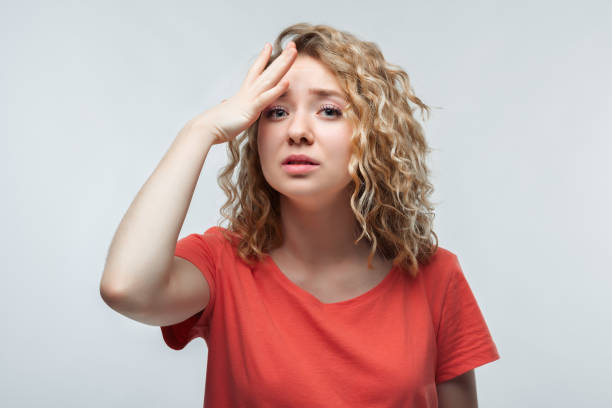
[(93, 93)]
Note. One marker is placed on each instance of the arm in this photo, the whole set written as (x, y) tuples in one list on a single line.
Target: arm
[(142, 250), (458, 392), (140, 258)]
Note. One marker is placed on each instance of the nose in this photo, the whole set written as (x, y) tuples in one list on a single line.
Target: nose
[(299, 129)]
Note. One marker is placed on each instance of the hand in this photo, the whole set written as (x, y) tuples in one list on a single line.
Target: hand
[(234, 115)]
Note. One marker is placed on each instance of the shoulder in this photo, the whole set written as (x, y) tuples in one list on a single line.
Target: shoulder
[(438, 272), (212, 242), (441, 265), (222, 242), (215, 231), (443, 255), (219, 236)]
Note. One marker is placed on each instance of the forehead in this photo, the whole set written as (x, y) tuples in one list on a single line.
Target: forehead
[(309, 70), (309, 76)]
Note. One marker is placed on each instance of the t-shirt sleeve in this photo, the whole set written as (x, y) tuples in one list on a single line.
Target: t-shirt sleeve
[(464, 340), (199, 249)]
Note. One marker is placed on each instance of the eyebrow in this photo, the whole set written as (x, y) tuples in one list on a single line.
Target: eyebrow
[(319, 92)]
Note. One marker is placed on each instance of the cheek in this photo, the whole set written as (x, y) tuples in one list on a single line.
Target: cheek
[(262, 149), (261, 142), (265, 150), (345, 145)]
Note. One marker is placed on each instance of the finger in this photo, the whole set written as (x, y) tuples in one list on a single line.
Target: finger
[(259, 64), (271, 95), (270, 77)]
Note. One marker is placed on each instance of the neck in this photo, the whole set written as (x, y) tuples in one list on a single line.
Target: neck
[(322, 233)]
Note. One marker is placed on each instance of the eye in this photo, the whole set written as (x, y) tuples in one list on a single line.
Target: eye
[(271, 113), (274, 112), (333, 109)]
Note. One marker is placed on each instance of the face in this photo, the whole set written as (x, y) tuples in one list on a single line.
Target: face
[(308, 123)]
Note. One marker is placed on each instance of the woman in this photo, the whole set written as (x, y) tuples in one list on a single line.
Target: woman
[(328, 288)]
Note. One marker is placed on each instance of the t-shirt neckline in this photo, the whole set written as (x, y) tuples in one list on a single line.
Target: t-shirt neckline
[(309, 297)]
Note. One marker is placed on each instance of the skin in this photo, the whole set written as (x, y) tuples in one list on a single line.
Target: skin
[(459, 392), (318, 223), (317, 220)]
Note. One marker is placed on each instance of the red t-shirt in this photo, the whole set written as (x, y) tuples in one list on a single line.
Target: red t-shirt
[(273, 344)]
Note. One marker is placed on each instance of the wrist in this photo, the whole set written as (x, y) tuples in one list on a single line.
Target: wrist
[(202, 128)]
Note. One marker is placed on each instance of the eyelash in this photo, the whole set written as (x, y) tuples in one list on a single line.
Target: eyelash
[(337, 112)]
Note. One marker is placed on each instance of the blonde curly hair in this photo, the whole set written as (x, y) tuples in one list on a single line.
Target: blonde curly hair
[(391, 186)]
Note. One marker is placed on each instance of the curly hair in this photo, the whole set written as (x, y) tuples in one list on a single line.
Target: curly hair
[(391, 186)]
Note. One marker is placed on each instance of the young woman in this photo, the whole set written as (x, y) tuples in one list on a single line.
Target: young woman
[(328, 287)]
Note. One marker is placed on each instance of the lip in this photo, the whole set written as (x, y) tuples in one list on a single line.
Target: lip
[(300, 157), (300, 168)]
